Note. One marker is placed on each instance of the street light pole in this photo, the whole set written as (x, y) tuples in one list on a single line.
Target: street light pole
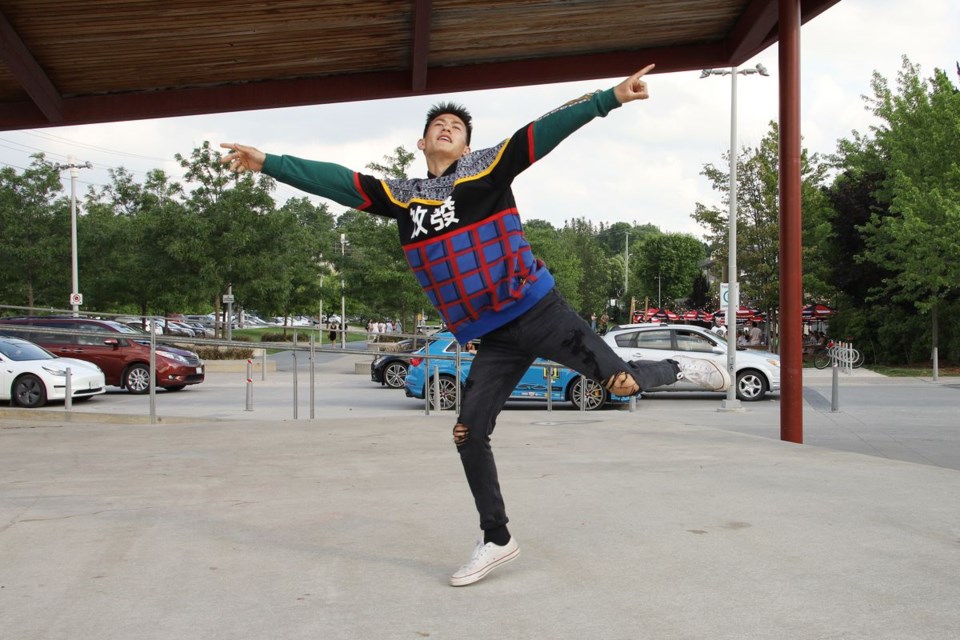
[(343, 299), (733, 289), (626, 263), (75, 281)]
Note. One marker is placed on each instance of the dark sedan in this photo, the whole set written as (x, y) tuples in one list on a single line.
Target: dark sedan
[(390, 369)]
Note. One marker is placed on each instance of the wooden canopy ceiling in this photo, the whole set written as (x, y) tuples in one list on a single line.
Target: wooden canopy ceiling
[(64, 63)]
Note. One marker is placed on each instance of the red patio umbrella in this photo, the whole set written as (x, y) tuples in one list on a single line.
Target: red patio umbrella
[(696, 315), (653, 314), (743, 313), (813, 312)]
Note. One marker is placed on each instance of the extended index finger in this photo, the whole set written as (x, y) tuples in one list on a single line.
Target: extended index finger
[(647, 69)]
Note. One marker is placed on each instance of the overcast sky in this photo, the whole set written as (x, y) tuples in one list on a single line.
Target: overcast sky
[(641, 164)]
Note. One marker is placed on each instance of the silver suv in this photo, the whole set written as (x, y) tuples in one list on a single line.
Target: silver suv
[(758, 372)]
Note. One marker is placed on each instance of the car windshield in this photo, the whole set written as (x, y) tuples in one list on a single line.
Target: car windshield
[(122, 328), (23, 351), (694, 341)]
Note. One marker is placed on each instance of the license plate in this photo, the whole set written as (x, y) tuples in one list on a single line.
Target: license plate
[(199, 370)]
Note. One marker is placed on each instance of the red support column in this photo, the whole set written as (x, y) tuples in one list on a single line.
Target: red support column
[(791, 264)]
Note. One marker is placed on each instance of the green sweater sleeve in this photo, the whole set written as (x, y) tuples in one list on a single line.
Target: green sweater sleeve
[(325, 179), (552, 128)]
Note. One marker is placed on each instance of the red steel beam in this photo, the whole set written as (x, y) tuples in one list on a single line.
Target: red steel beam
[(791, 263), (29, 73), (420, 45), (754, 27), (354, 87)]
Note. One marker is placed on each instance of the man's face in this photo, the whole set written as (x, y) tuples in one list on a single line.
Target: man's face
[(446, 136)]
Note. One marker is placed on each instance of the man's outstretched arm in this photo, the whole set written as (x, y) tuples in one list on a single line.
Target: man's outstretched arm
[(326, 179), (557, 125)]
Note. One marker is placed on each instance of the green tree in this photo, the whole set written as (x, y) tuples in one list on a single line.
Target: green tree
[(758, 216), (234, 242), (136, 228), (591, 291), (35, 238), (919, 245), (666, 266), (547, 245)]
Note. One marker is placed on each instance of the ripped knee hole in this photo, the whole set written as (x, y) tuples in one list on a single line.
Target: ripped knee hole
[(461, 433), (622, 384)]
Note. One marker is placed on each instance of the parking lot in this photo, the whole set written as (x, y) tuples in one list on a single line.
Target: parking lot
[(673, 521), (909, 419)]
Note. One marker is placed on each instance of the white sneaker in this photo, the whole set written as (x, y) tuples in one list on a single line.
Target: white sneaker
[(702, 372), (485, 558)]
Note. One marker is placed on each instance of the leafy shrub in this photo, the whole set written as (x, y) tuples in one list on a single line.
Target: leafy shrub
[(276, 337), (224, 353)]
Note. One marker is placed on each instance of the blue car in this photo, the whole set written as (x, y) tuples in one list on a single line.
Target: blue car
[(566, 385)]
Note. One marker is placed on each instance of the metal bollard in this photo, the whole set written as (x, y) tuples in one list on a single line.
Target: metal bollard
[(295, 384), (249, 406), (835, 396), (313, 374), (436, 388), (68, 391), (633, 403), (263, 365), (548, 374), (426, 383), (583, 393)]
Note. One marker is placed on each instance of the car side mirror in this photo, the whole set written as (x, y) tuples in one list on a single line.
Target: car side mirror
[(113, 342), (718, 350)]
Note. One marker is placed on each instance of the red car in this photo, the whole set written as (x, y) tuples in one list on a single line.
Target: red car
[(124, 356)]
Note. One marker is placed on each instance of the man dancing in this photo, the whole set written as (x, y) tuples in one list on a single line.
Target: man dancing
[(462, 236)]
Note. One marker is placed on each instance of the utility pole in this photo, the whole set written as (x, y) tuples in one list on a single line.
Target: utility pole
[(76, 299)]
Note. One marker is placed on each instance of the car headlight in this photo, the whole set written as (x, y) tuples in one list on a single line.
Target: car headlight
[(774, 362), (53, 370), (176, 357)]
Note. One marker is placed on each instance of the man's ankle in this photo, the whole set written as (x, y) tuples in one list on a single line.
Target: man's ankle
[(499, 536)]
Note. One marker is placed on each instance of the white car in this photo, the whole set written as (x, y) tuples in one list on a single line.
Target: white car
[(758, 372), (30, 376)]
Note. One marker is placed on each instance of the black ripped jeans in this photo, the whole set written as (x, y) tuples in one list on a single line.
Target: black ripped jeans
[(551, 330)]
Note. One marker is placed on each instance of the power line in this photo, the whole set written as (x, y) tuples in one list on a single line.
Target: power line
[(55, 138)]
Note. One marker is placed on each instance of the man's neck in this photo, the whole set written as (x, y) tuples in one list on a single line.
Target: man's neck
[(437, 168)]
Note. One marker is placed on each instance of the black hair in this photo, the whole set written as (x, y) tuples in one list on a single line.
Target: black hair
[(453, 109)]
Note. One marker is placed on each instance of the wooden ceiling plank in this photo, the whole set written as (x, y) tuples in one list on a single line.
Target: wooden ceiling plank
[(29, 73), (420, 45), (144, 59)]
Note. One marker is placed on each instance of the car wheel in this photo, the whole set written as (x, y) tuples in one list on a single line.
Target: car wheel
[(29, 392), (448, 393), (588, 394), (137, 379), (395, 374), (751, 385)]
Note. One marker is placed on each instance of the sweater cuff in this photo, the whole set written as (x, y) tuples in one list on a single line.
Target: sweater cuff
[(271, 165), (607, 101)]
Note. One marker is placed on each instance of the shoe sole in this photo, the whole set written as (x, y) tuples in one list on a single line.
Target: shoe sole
[(480, 575)]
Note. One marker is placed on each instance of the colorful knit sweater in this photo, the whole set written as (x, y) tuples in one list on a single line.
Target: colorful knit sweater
[(460, 232)]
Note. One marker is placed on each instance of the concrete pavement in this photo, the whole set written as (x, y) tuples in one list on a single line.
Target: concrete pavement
[(674, 521)]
